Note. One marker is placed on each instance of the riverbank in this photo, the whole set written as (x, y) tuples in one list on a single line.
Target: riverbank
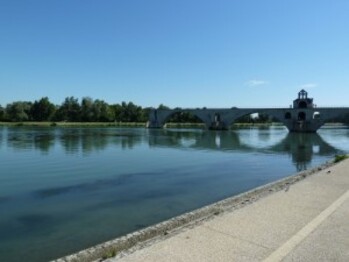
[(73, 124), (175, 236)]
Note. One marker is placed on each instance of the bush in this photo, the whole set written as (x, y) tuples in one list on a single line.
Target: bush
[(339, 158)]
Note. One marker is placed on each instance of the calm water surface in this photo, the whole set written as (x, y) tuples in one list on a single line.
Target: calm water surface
[(65, 189)]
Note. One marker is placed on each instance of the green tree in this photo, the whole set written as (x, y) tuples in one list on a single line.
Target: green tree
[(2, 113), (69, 110), (73, 111), (145, 114), (263, 118), (95, 110), (87, 113), (101, 111), (245, 119), (116, 110), (18, 111), (132, 112), (163, 107), (42, 110)]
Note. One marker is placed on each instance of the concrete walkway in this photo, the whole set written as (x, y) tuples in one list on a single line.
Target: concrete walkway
[(307, 222)]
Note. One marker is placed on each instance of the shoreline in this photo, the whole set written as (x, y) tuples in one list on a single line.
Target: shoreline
[(133, 241), (72, 124)]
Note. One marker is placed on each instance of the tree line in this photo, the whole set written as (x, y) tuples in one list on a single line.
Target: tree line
[(73, 110), (86, 110)]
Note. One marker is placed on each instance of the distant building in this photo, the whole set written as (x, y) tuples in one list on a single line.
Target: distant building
[(303, 101)]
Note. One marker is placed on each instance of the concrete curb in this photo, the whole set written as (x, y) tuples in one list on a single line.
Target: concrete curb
[(161, 230)]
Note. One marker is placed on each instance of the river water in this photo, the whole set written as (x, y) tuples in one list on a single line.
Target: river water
[(66, 189)]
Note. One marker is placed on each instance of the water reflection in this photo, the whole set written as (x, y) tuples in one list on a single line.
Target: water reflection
[(301, 147), (72, 140), (44, 142), (1, 135), (201, 140), (131, 178), (26, 139)]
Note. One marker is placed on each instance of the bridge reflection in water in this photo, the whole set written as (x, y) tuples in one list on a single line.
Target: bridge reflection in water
[(300, 146)]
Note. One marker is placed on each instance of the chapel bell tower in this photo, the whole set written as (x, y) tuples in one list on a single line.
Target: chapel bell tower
[(303, 101)]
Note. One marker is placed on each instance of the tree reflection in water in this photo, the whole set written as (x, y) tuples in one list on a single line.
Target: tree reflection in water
[(301, 146)]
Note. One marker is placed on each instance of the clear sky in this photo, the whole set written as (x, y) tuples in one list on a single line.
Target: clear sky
[(186, 53)]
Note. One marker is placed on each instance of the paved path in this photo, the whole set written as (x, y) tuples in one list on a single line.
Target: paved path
[(307, 222)]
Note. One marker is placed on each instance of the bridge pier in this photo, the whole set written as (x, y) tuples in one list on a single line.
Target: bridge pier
[(304, 126), (154, 124), (218, 125)]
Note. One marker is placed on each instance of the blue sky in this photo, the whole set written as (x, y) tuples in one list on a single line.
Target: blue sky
[(222, 53)]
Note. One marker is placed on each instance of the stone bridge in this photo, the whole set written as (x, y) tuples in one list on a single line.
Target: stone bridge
[(302, 117)]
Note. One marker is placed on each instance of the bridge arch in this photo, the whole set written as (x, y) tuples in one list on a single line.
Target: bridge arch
[(288, 115), (172, 113), (316, 115), (280, 116)]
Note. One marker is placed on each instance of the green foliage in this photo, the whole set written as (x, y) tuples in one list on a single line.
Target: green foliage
[(95, 111), (109, 254), (18, 111), (69, 110), (163, 107), (42, 110), (129, 112), (184, 117), (102, 112), (256, 118), (245, 119), (2, 113), (339, 158), (262, 118), (87, 109)]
